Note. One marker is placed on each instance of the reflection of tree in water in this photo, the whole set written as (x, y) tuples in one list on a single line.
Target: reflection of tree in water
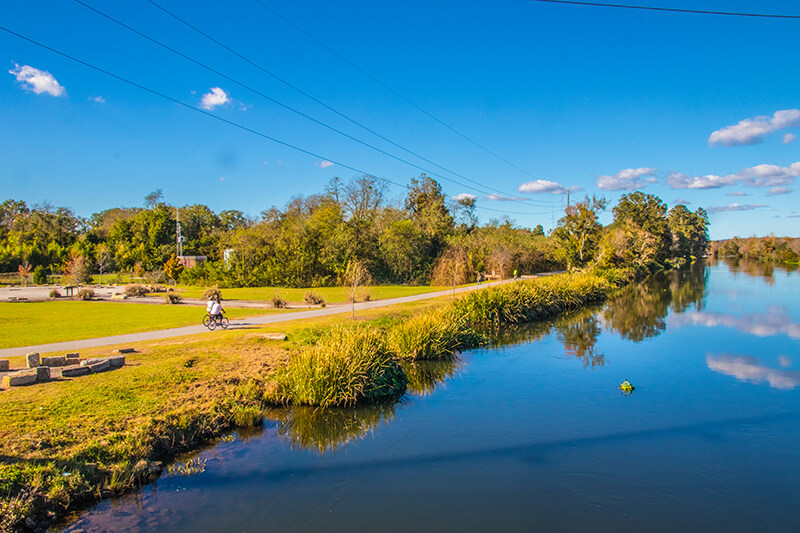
[(326, 429), (425, 376), (639, 311), (518, 333), (579, 334), (688, 287), (757, 269)]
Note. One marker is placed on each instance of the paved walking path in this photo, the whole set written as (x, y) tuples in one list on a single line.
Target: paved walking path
[(69, 346)]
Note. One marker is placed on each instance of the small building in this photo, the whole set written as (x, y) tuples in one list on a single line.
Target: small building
[(189, 261)]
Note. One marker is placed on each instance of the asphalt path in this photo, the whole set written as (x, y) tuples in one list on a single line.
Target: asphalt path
[(72, 346)]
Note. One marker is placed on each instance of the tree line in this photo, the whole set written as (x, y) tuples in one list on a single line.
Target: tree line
[(315, 240), (770, 248)]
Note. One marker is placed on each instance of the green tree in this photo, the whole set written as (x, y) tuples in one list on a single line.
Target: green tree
[(579, 230)]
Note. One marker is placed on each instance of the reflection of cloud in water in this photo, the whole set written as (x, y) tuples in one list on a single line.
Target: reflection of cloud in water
[(776, 321), (785, 361), (752, 370)]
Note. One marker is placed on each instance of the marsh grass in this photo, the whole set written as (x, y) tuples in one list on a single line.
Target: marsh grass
[(528, 301), (346, 367), (432, 335)]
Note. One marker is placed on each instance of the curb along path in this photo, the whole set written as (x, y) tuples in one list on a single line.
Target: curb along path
[(252, 321)]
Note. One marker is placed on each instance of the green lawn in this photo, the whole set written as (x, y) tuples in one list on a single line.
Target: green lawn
[(330, 294), (31, 323)]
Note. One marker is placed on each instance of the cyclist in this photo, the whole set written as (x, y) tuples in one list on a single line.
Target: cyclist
[(214, 308)]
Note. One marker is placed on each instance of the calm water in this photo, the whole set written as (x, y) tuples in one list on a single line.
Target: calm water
[(535, 435)]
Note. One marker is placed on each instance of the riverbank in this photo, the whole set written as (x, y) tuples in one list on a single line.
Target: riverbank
[(73, 442)]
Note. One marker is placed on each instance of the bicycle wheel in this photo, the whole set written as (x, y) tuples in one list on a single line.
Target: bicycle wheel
[(224, 322), (208, 321)]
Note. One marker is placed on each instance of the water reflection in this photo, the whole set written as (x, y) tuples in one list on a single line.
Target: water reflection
[(775, 321), (325, 430), (424, 377), (639, 311), (753, 370), (579, 334), (764, 270)]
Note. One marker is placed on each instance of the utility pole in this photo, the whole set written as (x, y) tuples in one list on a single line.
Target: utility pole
[(178, 237)]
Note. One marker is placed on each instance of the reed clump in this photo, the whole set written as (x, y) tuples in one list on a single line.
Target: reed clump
[(432, 335), (527, 301), (346, 367)]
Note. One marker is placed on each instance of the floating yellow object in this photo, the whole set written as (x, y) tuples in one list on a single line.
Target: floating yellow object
[(626, 387)]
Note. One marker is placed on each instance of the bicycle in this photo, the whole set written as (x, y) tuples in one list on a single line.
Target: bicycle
[(211, 322)]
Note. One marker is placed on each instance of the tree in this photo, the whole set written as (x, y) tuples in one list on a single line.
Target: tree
[(689, 232), (579, 230), (25, 270), (643, 220), (153, 199), (356, 275), (76, 269), (173, 268)]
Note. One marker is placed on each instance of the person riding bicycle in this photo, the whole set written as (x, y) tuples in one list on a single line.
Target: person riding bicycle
[(214, 308)]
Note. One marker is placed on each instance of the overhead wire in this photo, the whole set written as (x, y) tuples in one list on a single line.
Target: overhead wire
[(334, 110), (202, 111), (671, 9), (394, 92)]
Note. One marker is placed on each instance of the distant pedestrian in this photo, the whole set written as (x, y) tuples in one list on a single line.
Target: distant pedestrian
[(515, 274)]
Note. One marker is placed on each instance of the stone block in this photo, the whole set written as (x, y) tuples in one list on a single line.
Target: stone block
[(74, 371), (42, 373), (99, 366), (117, 361), (125, 350), (56, 360), (5, 364), (32, 360), (17, 379)]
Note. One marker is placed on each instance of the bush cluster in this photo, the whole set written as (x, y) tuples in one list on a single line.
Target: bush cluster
[(135, 290)]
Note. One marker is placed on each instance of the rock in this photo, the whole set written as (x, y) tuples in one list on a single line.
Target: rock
[(17, 379), (5, 364), (74, 371), (42, 373), (32, 360), (56, 360), (100, 366), (272, 336), (117, 361), (92, 361), (125, 350)]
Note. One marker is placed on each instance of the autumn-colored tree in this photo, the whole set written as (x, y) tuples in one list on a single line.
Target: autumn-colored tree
[(173, 268)]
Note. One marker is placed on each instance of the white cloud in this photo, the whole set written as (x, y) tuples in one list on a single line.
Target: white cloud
[(757, 176), (215, 98), (752, 370), (681, 201), (735, 207), (223, 178), (98, 99), (778, 190), (325, 164), (464, 196), (738, 193), (38, 81), (628, 179), (785, 361), (503, 198), (753, 130), (542, 187), (789, 137)]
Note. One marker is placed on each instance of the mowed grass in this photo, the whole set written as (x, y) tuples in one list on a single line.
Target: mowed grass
[(32, 323), (330, 294)]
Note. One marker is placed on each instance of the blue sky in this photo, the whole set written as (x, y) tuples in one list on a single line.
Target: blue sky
[(696, 109)]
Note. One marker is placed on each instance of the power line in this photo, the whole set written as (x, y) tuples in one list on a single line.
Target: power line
[(394, 92), (672, 9), (330, 108), (206, 113)]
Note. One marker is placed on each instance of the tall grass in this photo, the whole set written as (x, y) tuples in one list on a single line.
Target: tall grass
[(348, 366), (432, 335), (515, 303)]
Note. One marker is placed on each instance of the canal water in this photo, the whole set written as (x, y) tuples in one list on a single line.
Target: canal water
[(535, 434)]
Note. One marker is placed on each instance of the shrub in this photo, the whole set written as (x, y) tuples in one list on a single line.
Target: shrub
[(39, 275), (212, 293), (135, 289), (155, 276), (432, 335), (85, 294), (172, 298), (313, 298), (346, 367), (55, 294), (278, 302)]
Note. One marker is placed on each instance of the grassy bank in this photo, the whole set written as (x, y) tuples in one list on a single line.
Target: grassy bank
[(329, 294), (68, 443), (31, 323)]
